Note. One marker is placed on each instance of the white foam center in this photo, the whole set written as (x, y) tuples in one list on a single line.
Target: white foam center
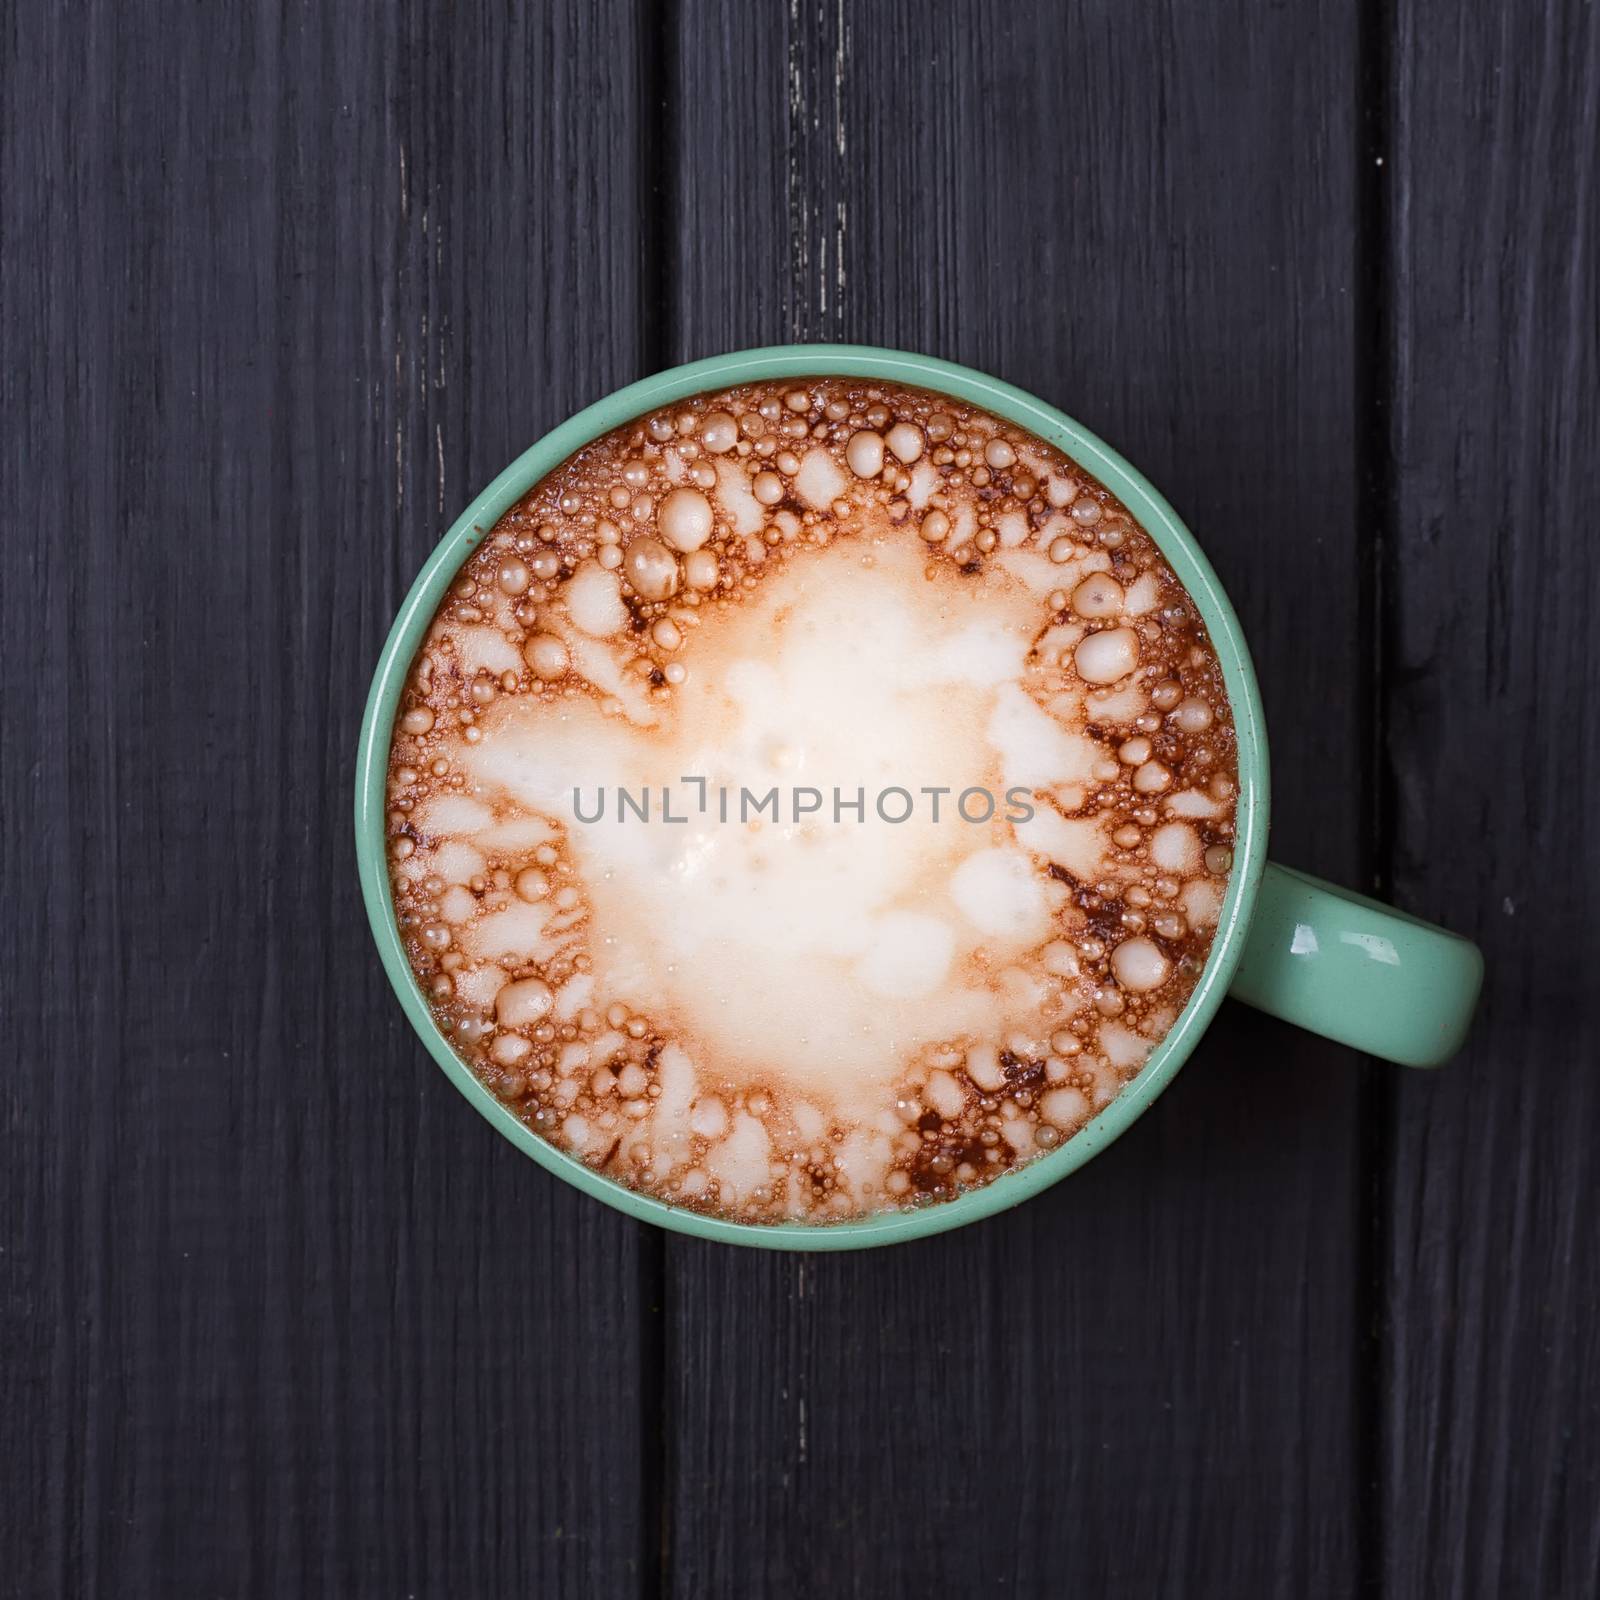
[(818, 949)]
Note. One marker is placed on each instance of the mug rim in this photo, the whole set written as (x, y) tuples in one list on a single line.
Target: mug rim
[(1148, 506)]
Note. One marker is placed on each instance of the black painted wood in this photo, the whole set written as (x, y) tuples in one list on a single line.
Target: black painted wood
[(1145, 1382), (281, 286), (1491, 1355)]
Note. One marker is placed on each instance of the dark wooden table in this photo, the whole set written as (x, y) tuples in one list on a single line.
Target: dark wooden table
[(281, 286)]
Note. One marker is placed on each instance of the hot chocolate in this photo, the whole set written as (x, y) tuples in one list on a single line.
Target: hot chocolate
[(813, 798)]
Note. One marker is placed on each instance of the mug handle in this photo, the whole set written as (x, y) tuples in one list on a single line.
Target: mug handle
[(1357, 971)]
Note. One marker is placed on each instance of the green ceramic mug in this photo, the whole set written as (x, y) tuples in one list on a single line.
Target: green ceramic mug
[(1337, 963)]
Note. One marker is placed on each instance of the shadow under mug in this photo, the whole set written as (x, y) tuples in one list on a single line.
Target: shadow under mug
[(1337, 963)]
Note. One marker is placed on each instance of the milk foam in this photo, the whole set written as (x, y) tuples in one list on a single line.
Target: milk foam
[(818, 953)]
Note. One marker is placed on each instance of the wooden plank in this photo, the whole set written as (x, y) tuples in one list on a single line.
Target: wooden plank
[(280, 287), (1146, 1381), (1492, 1381)]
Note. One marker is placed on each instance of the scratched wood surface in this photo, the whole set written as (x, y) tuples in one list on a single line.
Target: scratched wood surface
[(280, 287), (278, 296), (1490, 1372)]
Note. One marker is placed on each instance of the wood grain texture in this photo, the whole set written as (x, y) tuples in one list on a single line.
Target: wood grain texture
[(1146, 1381), (1492, 1296), (280, 287)]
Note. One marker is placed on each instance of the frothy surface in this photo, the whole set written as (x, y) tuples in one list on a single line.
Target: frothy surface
[(814, 799)]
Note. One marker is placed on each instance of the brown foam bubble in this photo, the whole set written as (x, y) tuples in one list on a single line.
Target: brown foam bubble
[(620, 620)]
